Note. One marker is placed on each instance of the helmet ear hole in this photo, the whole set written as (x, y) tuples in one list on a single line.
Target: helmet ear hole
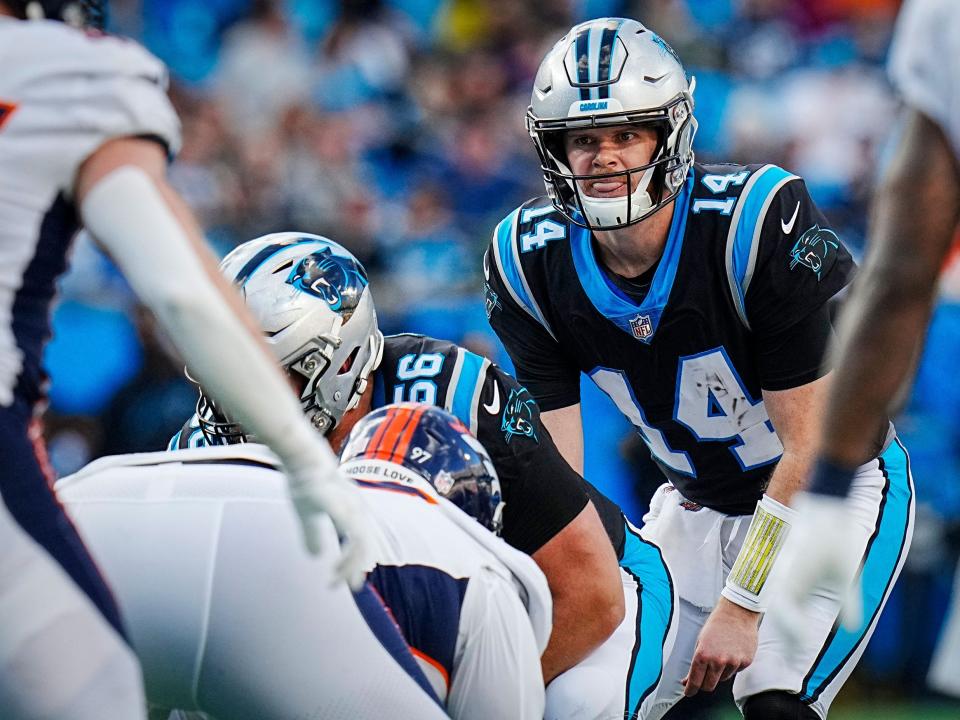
[(348, 363)]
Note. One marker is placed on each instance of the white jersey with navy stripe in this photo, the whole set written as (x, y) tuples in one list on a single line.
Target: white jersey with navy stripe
[(736, 305), (63, 94), (476, 613), (925, 62)]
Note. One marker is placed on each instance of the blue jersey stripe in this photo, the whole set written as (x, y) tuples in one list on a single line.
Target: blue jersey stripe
[(469, 382), (616, 306), (508, 263), (655, 608), (883, 556), (744, 239)]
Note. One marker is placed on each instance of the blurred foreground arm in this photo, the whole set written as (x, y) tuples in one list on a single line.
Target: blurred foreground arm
[(128, 207)]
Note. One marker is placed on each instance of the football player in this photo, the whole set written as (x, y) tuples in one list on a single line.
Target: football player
[(311, 297), (86, 131), (230, 618), (915, 215), (696, 297)]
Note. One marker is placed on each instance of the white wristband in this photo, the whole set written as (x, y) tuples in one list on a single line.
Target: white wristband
[(768, 531)]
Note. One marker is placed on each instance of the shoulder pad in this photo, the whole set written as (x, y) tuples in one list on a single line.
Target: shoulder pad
[(106, 85), (527, 229), (746, 222)]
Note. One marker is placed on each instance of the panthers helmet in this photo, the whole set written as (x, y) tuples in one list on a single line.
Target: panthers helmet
[(606, 72), (311, 298), (78, 13), (437, 450)]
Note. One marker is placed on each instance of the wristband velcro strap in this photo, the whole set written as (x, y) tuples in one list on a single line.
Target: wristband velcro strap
[(768, 531)]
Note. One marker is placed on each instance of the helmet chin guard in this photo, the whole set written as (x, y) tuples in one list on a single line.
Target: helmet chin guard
[(630, 78)]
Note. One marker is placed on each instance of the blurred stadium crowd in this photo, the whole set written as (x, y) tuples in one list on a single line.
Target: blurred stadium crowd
[(396, 128)]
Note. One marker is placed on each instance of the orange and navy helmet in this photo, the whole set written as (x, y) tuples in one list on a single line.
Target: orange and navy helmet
[(433, 445)]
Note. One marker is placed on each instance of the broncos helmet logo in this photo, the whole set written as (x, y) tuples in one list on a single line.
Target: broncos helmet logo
[(518, 415), (815, 249), (339, 281)]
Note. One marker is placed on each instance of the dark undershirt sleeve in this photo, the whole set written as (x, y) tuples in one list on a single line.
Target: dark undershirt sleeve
[(797, 355), (540, 363), (541, 491)]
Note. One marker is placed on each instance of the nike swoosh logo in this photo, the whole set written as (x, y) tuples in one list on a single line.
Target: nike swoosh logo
[(788, 226), (494, 407)]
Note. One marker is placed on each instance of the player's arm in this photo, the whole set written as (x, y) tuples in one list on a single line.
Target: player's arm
[(915, 214), (566, 427), (796, 275), (127, 205), (549, 515), (497, 667)]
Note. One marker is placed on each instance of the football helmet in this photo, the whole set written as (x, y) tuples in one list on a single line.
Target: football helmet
[(607, 72), (78, 13), (437, 449), (311, 298)]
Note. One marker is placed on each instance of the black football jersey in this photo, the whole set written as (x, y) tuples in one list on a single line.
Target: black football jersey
[(737, 304), (542, 493)]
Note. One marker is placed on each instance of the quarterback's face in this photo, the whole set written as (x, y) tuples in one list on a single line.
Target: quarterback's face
[(601, 151)]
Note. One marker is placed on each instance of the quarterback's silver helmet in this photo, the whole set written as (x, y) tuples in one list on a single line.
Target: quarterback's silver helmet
[(609, 72), (311, 298)]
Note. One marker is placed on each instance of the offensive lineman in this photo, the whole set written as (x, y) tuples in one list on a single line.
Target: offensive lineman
[(310, 296), (696, 298), (230, 618), (915, 220), (85, 133)]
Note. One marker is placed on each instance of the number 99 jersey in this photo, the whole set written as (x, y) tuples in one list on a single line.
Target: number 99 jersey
[(737, 304)]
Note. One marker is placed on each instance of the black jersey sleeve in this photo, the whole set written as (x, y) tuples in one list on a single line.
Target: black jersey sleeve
[(542, 493), (540, 363), (800, 265)]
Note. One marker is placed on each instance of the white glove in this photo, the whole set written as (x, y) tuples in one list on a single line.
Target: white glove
[(325, 492), (815, 563)]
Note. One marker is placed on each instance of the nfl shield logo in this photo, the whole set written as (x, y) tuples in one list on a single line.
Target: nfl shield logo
[(641, 326)]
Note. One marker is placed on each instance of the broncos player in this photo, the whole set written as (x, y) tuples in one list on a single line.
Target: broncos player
[(696, 297), (312, 300), (230, 618), (916, 213), (86, 131)]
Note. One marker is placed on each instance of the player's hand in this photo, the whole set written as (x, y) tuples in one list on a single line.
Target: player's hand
[(331, 493), (815, 563), (726, 646)]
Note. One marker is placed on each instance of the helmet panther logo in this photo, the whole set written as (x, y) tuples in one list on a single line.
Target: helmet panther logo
[(518, 415), (816, 250), (338, 281)]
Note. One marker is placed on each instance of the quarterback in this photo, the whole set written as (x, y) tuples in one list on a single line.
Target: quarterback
[(697, 298), (86, 131)]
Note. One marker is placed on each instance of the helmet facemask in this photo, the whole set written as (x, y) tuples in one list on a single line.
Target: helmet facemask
[(654, 184)]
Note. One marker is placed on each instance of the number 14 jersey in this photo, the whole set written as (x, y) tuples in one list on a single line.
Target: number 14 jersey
[(737, 304)]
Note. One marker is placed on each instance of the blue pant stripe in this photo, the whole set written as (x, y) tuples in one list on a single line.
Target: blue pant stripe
[(643, 561), (882, 557)]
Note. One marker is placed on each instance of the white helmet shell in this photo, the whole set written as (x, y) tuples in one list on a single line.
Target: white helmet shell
[(608, 72), (311, 298)]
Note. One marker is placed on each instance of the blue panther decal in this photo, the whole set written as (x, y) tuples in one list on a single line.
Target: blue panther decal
[(518, 415), (816, 250), (335, 279)]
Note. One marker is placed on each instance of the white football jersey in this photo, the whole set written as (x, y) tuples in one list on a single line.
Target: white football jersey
[(925, 62), (63, 93), (469, 605)]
